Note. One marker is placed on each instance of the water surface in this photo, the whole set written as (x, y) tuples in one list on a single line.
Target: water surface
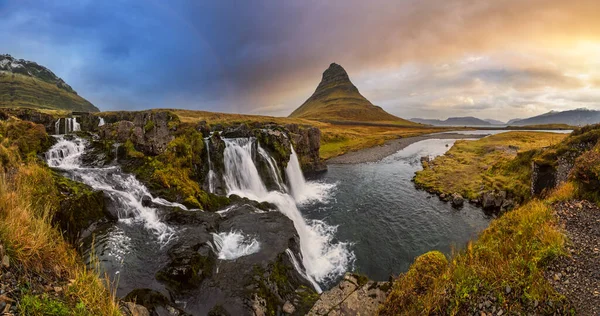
[(377, 208)]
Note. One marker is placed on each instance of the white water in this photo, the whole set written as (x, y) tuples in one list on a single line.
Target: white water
[(301, 272), (232, 245), (301, 190), (273, 169), (322, 258), (122, 188), (57, 127), (101, 123), (211, 173)]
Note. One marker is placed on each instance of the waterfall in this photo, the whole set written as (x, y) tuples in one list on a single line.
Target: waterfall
[(124, 189), (76, 126), (211, 173), (301, 272), (301, 190), (322, 258), (273, 168), (101, 123), (232, 245), (57, 127)]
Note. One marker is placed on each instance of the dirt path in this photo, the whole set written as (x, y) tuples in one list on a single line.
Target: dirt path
[(577, 276), (377, 153)]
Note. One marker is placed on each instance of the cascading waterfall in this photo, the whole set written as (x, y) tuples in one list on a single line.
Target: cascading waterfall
[(322, 258), (273, 169), (57, 127), (122, 188), (101, 123), (211, 173), (301, 190)]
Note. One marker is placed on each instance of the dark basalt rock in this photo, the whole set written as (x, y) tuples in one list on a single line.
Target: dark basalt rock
[(307, 143), (155, 302), (30, 115), (189, 266)]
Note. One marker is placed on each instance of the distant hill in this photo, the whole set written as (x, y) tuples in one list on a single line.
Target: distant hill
[(494, 122), (453, 121), (577, 117), (337, 99), (26, 84)]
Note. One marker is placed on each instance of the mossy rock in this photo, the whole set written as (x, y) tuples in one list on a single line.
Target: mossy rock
[(79, 207)]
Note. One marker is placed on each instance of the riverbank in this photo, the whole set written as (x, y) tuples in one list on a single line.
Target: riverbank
[(374, 154)]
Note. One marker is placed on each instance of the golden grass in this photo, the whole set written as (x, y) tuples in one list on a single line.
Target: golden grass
[(337, 139), (512, 251), (17, 90), (28, 201), (498, 162)]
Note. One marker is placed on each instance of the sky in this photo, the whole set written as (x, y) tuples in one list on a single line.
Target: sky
[(498, 59)]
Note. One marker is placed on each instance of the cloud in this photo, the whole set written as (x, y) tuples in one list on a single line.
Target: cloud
[(267, 56)]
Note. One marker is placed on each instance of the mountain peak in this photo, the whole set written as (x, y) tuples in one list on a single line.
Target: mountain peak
[(335, 76), (337, 99)]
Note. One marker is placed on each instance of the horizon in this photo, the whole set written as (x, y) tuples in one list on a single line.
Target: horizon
[(425, 59)]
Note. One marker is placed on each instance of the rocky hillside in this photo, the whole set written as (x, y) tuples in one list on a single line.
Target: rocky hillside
[(577, 117), (26, 84), (337, 99)]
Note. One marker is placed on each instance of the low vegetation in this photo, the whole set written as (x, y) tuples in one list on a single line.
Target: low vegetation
[(505, 263), (29, 200), (337, 139), (18, 90), (497, 162)]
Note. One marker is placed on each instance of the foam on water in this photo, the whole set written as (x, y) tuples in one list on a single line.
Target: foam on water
[(303, 191), (122, 188), (322, 257), (234, 244)]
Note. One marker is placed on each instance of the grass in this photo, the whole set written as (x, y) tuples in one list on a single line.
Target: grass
[(497, 162), (512, 251), (28, 202), (336, 139), (23, 91)]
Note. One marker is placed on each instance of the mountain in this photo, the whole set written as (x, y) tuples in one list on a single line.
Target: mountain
[(454, 121), (494, 122), (337, 99), (577, 117), (26, 84)]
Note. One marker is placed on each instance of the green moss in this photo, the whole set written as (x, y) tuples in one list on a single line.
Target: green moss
[(79, 206), (130, 150), (47, 306), (149, 126)]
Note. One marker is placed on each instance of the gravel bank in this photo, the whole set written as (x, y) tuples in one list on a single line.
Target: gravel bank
[(377, 153), (577, 275)]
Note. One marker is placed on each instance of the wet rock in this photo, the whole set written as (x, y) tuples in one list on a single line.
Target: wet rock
[(457, 200), (307, 142), (146, 201), (155, 302), (189, 266), (133, 309)]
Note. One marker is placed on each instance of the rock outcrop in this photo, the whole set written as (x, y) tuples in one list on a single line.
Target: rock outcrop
[(149, 131), (354, 295), (307, 143)]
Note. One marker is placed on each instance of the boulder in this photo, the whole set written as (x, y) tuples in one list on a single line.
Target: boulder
[(457, 200), (189, 266), (352, 297)]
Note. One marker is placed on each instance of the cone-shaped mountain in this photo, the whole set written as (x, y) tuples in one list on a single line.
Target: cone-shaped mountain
[(337, 99)]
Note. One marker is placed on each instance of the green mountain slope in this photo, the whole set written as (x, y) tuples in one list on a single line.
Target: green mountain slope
[(27, 84), (337, 99)]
